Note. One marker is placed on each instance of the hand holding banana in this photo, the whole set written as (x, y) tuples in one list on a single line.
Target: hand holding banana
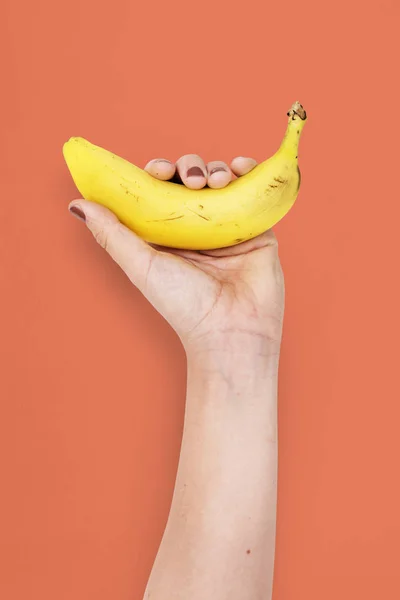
[(171, 215), (212, 267)]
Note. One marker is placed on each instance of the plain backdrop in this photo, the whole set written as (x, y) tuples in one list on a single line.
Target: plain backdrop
[(92, 379)]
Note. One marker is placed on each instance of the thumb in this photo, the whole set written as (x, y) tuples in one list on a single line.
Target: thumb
[(129, 251)]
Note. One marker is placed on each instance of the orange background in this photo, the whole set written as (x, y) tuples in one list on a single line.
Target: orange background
[(93, 380)]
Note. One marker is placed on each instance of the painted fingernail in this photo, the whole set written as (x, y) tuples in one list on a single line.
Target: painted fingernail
[(78, 213), (217, 170), (195, 172)]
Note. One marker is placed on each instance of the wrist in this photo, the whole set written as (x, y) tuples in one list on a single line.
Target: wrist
[(238, 362), (234, 347)]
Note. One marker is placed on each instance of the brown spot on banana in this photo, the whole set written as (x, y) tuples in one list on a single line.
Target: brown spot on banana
[(298, 185), (201, 216)]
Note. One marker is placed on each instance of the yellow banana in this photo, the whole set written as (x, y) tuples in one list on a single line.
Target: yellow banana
[(172, 215)]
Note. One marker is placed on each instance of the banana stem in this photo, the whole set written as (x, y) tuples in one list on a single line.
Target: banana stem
[(297, 119)]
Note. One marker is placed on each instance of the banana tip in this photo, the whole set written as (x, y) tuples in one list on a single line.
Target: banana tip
[(67, 145), (297, 111)]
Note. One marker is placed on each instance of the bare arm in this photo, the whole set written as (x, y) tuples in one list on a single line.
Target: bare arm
[(220, 537)]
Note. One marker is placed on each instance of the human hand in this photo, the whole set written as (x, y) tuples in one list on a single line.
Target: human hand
[(219, 300)]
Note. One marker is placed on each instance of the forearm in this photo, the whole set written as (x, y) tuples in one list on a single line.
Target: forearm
[(220, 537)]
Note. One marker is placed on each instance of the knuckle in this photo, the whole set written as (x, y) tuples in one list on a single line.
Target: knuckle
[(101, 237), (189, 159), (105, 235)]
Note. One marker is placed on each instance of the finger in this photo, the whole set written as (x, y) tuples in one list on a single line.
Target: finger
[(242, 165), (192, 171), (219, 174), (260, 241), (160, 168), (130, 252)]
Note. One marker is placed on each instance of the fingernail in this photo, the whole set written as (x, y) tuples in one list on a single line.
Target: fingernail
[(164, 160), (195, 172), (77, 212), (216, 170)]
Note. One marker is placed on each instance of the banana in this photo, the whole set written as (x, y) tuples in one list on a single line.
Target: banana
[(172, 215)]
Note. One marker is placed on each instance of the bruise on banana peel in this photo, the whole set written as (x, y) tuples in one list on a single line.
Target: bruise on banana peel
[(168, 214)]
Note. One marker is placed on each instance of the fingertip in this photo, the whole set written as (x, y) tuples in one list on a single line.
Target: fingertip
[(241, 165), (195, 183), (192, 171), (219, 179), (195, 178), (219, 174), (76, 210), (92, 212), (161, 168)]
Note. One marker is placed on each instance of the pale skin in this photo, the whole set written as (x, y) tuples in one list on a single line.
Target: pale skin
[(227, 308)]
